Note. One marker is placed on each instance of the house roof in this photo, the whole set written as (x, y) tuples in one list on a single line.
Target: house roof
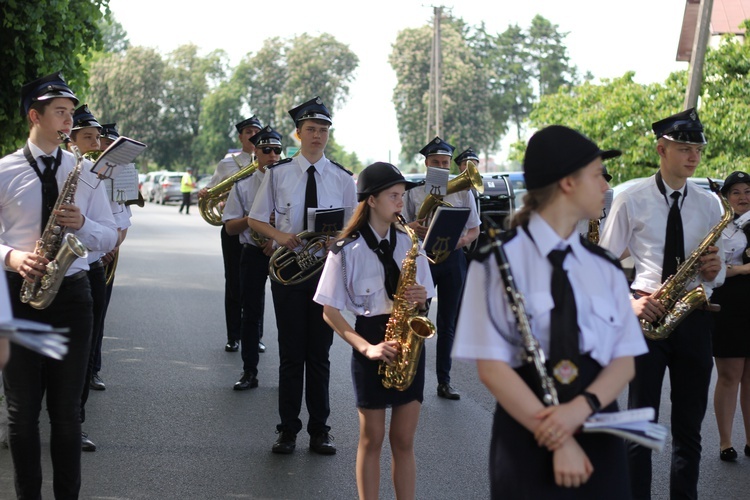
[(726, 17)]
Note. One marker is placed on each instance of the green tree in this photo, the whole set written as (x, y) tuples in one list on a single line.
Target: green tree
[(127, 88), (548, 56), (263, 77), (512, 94), (114, 36), (319, 66), (220, 112), (38, 38)]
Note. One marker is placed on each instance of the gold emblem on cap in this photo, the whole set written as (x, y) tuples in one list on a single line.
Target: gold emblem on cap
[(693, 116)]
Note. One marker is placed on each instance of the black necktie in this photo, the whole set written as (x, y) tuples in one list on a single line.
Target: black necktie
[(311, 192), (674, 243), (49, 188), (564, 349), (384, 251)]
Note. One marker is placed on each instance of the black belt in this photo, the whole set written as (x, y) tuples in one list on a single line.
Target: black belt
[(75, 277), (96, 265)]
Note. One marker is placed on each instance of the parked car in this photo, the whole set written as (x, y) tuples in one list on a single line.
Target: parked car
[(168, 187), (148, 186), (202, 183)]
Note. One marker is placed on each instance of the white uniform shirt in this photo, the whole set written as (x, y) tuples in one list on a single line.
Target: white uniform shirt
[(229, 166), (608, 327), (120, 212), (21, 207), (638, 222), (241, 200), (414, 198), (365, 277), (283, 190), (734, 240)]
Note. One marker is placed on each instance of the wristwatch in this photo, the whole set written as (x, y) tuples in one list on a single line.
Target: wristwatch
[(593, 401)]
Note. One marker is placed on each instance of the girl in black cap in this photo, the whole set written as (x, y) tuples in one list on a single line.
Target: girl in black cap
[(731, 342), (579, 311), (361, 276)]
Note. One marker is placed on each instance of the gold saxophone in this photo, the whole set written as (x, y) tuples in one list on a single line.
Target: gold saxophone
[(672, 295), (405, 326), (57, 245), (211, 206)]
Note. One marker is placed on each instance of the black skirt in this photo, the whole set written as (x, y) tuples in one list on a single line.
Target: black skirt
[(520, 469), (731, 333), (368, 385)]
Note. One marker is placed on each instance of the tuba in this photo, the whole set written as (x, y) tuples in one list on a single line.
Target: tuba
[(292, 267), (57, 245), (468, 179), (672, 295), (211, 205), (405, 326)]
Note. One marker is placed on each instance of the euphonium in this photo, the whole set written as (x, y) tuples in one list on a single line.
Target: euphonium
[(405, 326), (292, 267), (672, 295), (58, 246), (211, 205)]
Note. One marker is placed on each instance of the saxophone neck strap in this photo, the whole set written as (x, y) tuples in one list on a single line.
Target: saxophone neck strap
[(663, 190), (35, 166)]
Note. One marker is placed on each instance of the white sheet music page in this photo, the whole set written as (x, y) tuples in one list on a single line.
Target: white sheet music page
[(122, 152), (436, 181)]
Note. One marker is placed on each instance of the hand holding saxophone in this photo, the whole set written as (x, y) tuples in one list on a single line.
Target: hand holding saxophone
[(648, 308), (416, 294), (385, 351), (710, 264), (419, 227), (69, 216), (28, 264)]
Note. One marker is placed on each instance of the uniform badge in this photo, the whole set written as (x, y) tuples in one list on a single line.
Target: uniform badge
[(693, 116), (565, 371)]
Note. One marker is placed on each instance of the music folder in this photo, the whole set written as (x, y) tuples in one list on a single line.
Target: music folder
[(329, 220), (445, 231), (120, 153)]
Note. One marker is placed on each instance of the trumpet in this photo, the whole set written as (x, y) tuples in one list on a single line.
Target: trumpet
[(211, 206)]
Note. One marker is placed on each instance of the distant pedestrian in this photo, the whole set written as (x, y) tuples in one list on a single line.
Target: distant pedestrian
[(186, 188)]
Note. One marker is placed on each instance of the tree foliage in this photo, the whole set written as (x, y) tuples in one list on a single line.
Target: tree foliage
[(38, 38)]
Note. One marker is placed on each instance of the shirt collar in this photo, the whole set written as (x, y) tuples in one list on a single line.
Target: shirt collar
[(377, 236), (37, 152), (546, 239), (304, 164)]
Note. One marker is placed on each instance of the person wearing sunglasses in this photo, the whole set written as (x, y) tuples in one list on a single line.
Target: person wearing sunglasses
[(231, 249), (255, 254)]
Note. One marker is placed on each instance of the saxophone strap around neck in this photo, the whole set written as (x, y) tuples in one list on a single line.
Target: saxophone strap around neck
[(49, 183)]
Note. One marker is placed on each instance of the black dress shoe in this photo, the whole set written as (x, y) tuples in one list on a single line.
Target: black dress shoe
[(728, 455), (247, 381), (232, 346), (447, 392), (285, 443), (86, 443), (747, 451), (322, 443), (261, 347), (96, 383)]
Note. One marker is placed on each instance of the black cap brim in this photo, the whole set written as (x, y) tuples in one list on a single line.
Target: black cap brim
[(407, 186)]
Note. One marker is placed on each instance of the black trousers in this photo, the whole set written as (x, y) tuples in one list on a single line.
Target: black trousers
[(253, 275), (449, 277), (98, 283), (231, 250), (28, 376), (185, 203), (304, 342), (687, 354)]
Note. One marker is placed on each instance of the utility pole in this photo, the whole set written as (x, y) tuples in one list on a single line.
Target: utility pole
[(698, 55), (434, 113)]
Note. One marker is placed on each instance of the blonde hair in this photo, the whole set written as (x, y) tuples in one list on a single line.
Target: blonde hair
[(358, 219)]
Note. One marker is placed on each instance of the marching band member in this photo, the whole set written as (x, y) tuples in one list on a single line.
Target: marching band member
[(254, 259), (658, 222), (585, 326), (231, 249), (289, 190), (30, 179), (365, 285), (730, 341), (449, 275)]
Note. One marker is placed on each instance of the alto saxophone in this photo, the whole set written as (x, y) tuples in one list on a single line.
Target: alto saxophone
[(672, 295), (210, 206), (58, 246), (405, 326)]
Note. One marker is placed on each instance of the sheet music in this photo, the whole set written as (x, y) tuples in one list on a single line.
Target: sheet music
[(122, 152), (436, 181), (124, 187)]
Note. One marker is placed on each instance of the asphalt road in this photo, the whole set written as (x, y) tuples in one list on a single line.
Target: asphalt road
[(169, 425)]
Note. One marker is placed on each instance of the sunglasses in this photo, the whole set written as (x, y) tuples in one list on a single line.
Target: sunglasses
[(267, 150)]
